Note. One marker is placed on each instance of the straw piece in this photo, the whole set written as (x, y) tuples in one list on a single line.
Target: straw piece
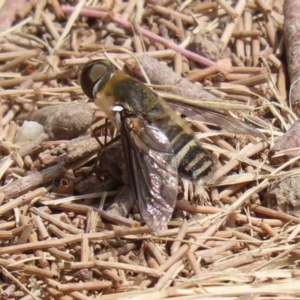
[(57, 10), (56, 222), (174, 258), (153, 249), (224, 170), (41, 227), (199, 7), (181, 234), (167, 279), (95, 285), (246, 238), (17, 61), (239, 8), (203, 237), (31, 246), (202, 74), (61, 255), (111, 265), (240, 260), (228, 8), (193, 263), (268, 229), (167, 11), (20, 200), (50, 26)]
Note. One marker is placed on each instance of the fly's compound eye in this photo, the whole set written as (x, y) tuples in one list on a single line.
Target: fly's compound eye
[(93, 76)]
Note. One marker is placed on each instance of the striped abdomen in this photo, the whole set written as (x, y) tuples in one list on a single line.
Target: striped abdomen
[(192, 161)]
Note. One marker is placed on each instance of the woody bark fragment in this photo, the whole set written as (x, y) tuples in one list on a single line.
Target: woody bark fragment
[(292, 40), (290, 141), (32, 181), (8, 13)]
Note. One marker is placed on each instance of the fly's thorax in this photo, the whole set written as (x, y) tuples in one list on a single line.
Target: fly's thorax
[(137, 99)]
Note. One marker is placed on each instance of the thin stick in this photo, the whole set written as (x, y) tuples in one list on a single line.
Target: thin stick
[(228, 8), (146, 33), (239, 8), (14, 279)]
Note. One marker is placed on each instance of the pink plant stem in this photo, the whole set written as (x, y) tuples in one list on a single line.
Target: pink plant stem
[(169, 44)]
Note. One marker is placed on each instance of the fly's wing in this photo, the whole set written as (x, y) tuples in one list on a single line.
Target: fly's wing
[(212, 116), (152, 169)]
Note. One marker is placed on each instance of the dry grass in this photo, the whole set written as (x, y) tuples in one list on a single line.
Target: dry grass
[(222, 243)]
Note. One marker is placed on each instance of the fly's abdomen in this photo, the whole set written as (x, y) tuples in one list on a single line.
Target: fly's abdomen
[(192, 161)]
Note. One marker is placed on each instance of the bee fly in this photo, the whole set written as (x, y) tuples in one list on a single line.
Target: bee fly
[(157, 143)]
